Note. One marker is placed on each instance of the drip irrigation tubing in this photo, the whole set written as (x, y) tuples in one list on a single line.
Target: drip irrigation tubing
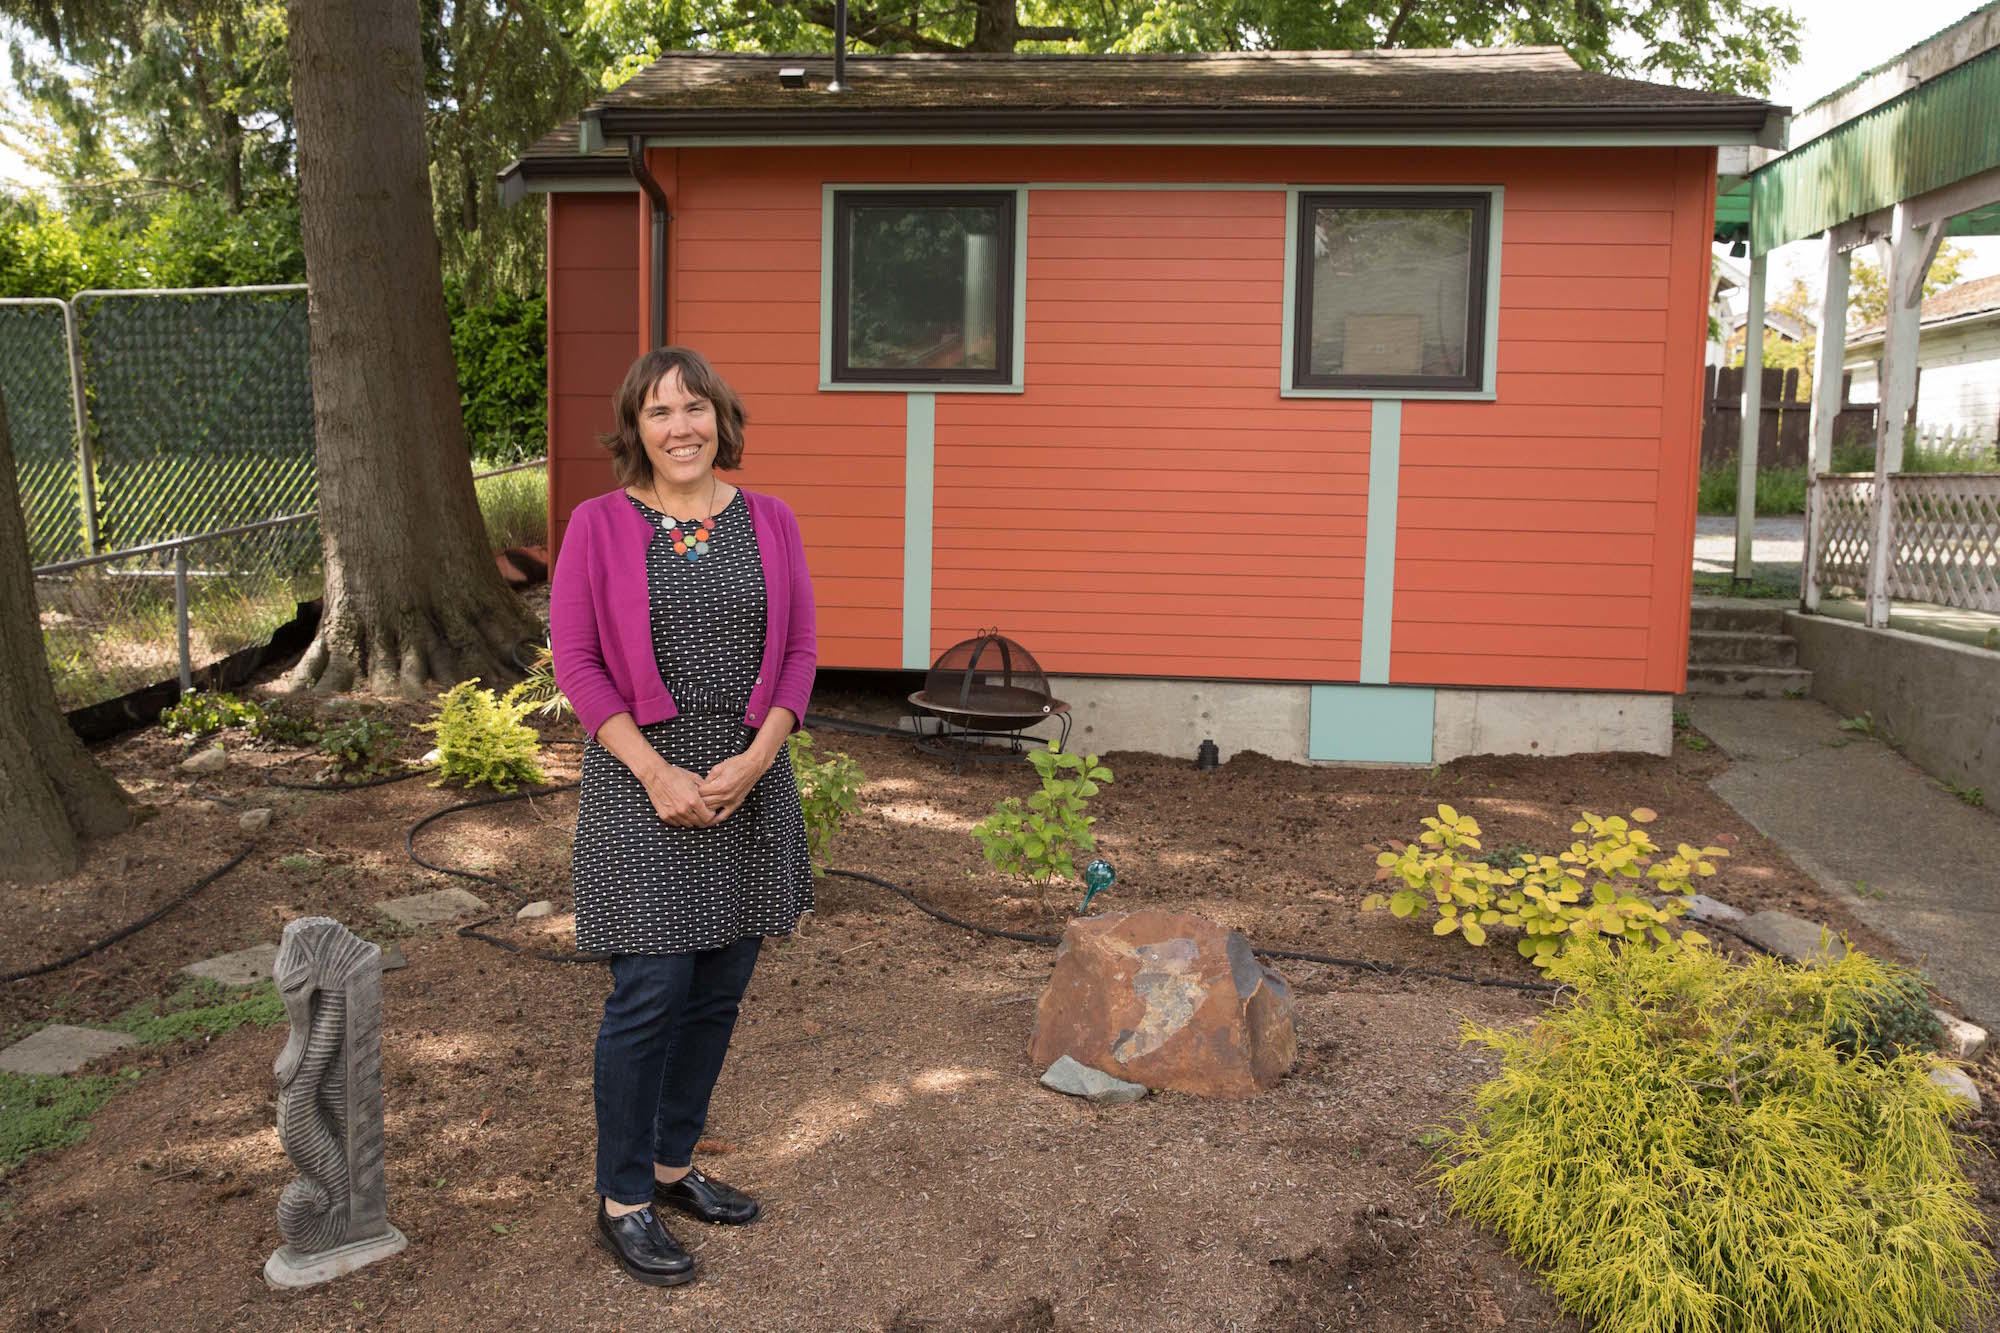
[(134, 928)]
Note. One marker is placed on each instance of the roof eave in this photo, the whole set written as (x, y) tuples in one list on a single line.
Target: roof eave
[(1753, 123)]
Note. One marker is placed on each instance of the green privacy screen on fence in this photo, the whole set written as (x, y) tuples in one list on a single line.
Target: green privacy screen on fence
[(200, 409), (41, 414)]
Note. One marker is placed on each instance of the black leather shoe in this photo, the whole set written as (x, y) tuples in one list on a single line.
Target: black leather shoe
[(707, 1200), (644, 1248)]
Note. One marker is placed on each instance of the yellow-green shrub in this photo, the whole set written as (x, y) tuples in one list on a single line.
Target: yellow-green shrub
[(1545, 896), (482, 739), (1683, 1147)]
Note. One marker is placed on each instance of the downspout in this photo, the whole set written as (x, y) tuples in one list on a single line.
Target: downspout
[(635, 157)]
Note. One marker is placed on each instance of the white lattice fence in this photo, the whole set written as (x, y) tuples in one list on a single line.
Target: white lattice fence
[(1947, 539), (1843, 521)]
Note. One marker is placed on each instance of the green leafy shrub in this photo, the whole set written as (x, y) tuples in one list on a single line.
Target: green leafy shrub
[(1543, 896), (1042, 840), (1894, 1017), (481, 739), (198, 713), (360, 747), (283, 722), (1683, 1148), (501, 349), (829, 791)]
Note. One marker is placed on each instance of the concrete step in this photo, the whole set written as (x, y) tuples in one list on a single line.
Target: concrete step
[(1748, 682), (1726, 647), (1740, 617)]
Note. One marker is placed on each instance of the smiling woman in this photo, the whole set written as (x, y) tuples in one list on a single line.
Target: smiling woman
[(681, 618)]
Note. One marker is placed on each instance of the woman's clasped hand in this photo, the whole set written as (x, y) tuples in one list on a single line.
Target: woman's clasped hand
[(692, 800)]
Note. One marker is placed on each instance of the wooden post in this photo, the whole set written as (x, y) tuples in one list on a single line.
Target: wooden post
[(1829, 351), (1912, 246), (1753, 411)]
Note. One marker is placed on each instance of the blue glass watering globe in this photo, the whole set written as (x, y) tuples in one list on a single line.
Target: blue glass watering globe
[(1097, 877)]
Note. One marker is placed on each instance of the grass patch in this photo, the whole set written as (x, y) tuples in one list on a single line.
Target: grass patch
[(516, 508), (1782, 490), (1724, 585), (51, 1112), (201, 1008)]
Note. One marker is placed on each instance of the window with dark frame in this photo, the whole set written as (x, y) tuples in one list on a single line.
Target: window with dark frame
[(1391, 291), (923, 287)]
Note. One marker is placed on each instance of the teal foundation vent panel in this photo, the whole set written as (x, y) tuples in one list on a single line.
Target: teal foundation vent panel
[(1376, 724)]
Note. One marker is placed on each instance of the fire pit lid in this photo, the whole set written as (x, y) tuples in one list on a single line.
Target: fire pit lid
[(989, 673)]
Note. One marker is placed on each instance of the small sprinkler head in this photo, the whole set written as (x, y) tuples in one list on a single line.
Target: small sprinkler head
[(1097, 877), (1207, 757)]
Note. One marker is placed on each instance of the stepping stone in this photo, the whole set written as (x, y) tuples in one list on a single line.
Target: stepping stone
[(392, 958), (245, 967), (1077, 1079), (60, 1049), (1961, 1040), (430, 909), (1792, 937), (1955, 1082), (1704, 908)]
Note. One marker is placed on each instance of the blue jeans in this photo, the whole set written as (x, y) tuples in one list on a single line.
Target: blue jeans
[(666, 1029)]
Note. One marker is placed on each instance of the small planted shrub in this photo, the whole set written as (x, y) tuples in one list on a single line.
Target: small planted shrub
[(287, 724), (538, 689), (1042, 839), (1602, 886), (1684, 1147), (482, 741), (1892, 1017), (829, 791), (359, 748), (200, 713)]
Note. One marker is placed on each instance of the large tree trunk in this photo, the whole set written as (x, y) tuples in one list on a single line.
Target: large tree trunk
[(51, 791), (412, 593)]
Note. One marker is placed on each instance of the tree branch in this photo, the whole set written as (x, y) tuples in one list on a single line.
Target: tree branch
[(1395, 29), (871, 27)]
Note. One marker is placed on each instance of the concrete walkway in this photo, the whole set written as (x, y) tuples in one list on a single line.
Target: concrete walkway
[(1905, 856)]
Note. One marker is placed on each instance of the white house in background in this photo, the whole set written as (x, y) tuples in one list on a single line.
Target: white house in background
[(1958, 361), (1728, 306)]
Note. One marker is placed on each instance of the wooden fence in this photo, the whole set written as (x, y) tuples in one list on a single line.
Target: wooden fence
[(1785, 433)]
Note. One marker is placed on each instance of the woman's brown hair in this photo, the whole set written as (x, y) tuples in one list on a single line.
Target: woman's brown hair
[(628, 455)]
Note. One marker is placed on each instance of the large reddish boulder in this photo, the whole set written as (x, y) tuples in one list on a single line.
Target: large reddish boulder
[(1169, 1000)]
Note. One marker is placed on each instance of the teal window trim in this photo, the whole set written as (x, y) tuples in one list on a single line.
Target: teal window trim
[(1489, 387), (827, 384)]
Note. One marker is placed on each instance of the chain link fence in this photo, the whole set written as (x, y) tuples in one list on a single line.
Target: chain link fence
[(194, 406), (124, 620)]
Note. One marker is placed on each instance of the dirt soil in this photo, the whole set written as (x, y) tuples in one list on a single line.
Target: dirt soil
[(878, 1098)]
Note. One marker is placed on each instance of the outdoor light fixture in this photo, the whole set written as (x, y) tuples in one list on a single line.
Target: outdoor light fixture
[(1740, 249), (792, 76), (1206, 757)]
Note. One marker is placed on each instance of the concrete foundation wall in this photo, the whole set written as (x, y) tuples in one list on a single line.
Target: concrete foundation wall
[(1935, 700), (1550, 722), (1173, 717)]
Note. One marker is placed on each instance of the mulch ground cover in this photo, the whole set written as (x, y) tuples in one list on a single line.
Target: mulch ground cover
[(878, 1097)]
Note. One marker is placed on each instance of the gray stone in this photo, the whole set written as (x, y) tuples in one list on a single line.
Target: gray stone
[(392, 958), (1956, 1082), (429, 909), (1961, 1040), (541, 907), (1792, 937), (212, 760), (200, 807), (430, 757), (334, 1217), (1704, 908), (60, 1049), (245, 967), (1080, 1080), (254, 821)]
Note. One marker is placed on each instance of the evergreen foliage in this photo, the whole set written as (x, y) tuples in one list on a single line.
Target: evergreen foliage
[(481, 739), (1683, 1147)]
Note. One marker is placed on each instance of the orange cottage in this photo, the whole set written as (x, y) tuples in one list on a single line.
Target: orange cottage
[(1342, 406)]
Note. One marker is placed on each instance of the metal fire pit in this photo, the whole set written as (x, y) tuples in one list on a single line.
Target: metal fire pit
[(980, 691)]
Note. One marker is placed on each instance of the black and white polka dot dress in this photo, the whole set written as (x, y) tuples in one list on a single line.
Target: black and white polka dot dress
[(642, 885)]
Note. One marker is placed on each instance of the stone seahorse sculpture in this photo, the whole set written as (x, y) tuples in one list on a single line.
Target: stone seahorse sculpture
[(334, 1217)]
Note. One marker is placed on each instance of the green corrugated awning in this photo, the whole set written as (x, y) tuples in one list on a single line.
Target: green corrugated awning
[(1938, 133), (1732, 208)]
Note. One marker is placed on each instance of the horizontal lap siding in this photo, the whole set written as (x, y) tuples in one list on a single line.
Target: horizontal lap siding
[(1541, 537), (593, 336), (1150, 507), (746, 283)]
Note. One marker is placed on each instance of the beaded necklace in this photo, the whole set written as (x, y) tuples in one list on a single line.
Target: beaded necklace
[(692, 539)]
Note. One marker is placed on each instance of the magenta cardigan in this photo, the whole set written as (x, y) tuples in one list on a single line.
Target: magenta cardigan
[(601, 625)]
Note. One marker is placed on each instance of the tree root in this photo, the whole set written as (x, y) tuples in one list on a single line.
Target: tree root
[(412, 650)]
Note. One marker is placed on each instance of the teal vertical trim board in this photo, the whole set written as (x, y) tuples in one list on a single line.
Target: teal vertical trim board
[(919, 480), (1372, 724), (826, 284), (1378, 580)]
